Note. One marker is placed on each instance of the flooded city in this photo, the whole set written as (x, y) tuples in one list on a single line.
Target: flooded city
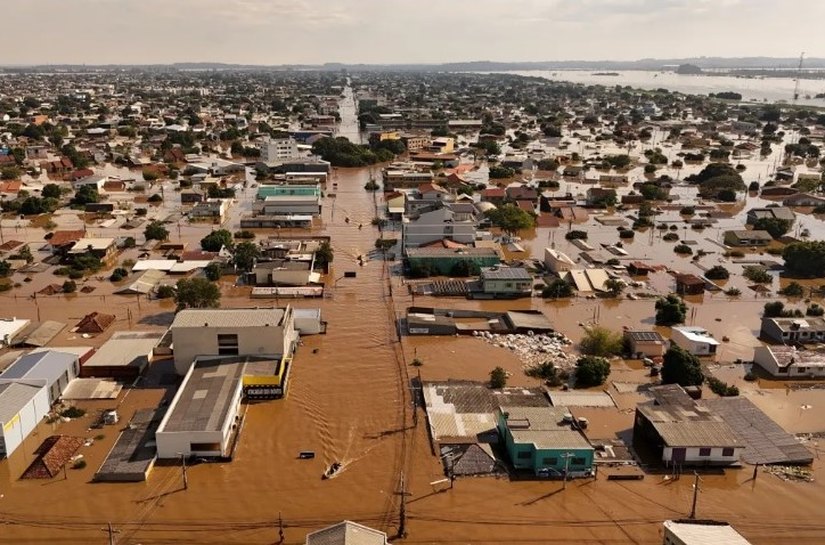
[(472, 306)]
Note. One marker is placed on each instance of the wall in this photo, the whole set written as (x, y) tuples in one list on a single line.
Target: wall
[(18, 428), (203, 341), (507, 286), (692, 456)]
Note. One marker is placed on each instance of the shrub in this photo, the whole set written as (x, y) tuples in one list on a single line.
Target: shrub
[(717, 272), (80, 463), (576, 235), (682, 249), (600, 341), (733, 292), (545, 371), (681, 367), (591, 371), (757, 274), (498, 378), (794, 289), (815, 310), (557, 289), (165, 292), (670, 237), (670, 310), (722, 388), (246, 235), (72, 412)]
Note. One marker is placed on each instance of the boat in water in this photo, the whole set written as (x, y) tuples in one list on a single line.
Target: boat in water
[(332, 470)]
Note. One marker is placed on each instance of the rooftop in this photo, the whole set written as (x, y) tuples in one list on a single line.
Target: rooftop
[(696, 334), (13, 397), (48, 366), (701, 533), (505, 273), (125, 349), (204, 398), (347, 533), (246, 317), (789, 355), (644, 336), (797, 324), (544, 427)]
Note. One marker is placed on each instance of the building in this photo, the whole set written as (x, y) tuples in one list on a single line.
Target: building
[(214, 209), (285, 273), (232, 332), (95, 323), (645, 344), (506, 282), (22, 407), (415, 142), (437, 225), (803, 199), (694, 532), (51, 369), (747, 238), (346, 533), (94, 180), (681, 432), (557, 262), (695, 340), (124, 356), (689, 284), (788, 362), (543, 441), (275, 150), (303, 199), (794, 330), (101, 248), (446, 261), (10, 328), (203, 414), (771, 212), (443, 144)]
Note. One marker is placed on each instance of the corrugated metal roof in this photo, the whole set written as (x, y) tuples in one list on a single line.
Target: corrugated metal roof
[(347, 533), (13, 397), (48, 366), (705, 534), (241, 317)]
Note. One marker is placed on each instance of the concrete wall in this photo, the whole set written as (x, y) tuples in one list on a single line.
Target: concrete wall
[(191, 342), (693, 457), (16, 429), (695, 347), (507, 286), (417, 234)]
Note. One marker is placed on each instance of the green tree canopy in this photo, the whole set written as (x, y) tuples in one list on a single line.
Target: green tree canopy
[(156, 231), (591, 371), (670, 310), (51, 191), (86, 194), (245, 255), (511, 219), (600, 341), (197, 293), (682, 368), (776, 227), (214, 241), (805, 259), (498, 378)]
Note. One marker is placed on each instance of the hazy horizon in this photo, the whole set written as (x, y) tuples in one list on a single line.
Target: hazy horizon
[(275, 32)]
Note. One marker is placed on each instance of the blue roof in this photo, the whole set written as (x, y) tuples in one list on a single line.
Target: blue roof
[(48, 366)]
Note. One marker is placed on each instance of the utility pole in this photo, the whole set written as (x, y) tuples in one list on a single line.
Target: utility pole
[(402, 514), (280, 528), (566, 457), (183, 469), (111, 531), (695, 494)]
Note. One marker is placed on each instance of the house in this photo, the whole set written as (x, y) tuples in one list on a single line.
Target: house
[(434, 226), (346, 533), (639, 268), (788, 362), (701, 532), (450, 261), (396, 204), (62, 241), (94, 323), (521, 193), (689, 284), (542, 440), (599, 196), (557, 262), (94, 180), (22, 407), (101, 248), (803, 199), (434, 192), (645, 344), (124, 356), (506, 282), (232, 332), (52, 369), (285, 273), (679, 431), (10, 328), (747, 238), (793, 330), (695, 340), (191, 197), (775, 212), (495, 195), (443, 144), (214, 209)]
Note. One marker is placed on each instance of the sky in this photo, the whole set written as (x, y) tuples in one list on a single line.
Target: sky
[(271, 32)]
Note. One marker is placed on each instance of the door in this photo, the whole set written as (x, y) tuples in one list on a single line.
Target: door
[(679, 455)]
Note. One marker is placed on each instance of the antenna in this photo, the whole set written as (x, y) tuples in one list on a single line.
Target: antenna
[(796, 80)]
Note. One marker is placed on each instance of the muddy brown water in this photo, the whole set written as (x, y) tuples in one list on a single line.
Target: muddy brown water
[(349, 401)]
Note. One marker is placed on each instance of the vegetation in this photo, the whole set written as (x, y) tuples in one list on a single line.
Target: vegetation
[(683, 249), (118, 274), (214, 241), (85, 194), (600, 341), (324, 255), (511, 219), (498, 172), (498, 378), (718, 181), (69, 286), (776, 309), (794, 289), (213, 272), (614, 286), (757, 274), (805, 259), (557, 289), (156, 231), (682, 368), (165, 291), (372, 185), (576, 235), (591, 371), (722, 388), (717, 272), (670, 310), (245, 255), (197, 293), (775, 227), (343, 153), (547, 372), (814, 309)]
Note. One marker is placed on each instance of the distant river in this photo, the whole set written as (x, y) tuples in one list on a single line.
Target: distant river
[(752, 89)]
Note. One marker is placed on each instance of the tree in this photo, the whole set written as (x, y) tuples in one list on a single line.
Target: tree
[(498, 378), (86, 194), (156, 231), (614, 286), (557, 289), (69, 286), (197, 293), (498, 172), (794, 289), (511, 219), (591, 371), (213, 271), (757, 274), (51, 191), (682, 368), (324, 255), (670, 310), (717, 272), (776, 227), (805, 259), (245, 255), (214, 241), (600, 341)]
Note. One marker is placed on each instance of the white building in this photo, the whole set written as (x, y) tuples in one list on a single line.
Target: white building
[(22, 407), (788, 362), (274, 150), (203, 414), (435, 226), (274, 205), (10, 327), (51, 369), (557, 262), (347, 533), (232, 332), (695, 340), (701, 533)]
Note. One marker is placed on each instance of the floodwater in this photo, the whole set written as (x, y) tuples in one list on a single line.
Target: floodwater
[(751, 88), (350, 401)]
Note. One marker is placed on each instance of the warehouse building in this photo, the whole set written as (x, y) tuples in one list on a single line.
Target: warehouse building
[(694, 532), (54, 370), (125, 356), (22, 407)]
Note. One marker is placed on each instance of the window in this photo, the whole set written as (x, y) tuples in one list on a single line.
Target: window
[(204, 447), (550, 461), (228, 345), (577, 461), (525, 455), (727, 451), (801, 369), (704, 451)]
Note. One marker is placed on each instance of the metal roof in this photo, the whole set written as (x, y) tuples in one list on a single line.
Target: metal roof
[(347, 533), (543, 427), (48, 366), (689, 425), (126, 349), (705, 534), (241, 317), (644, 336), (14, 396), (505, 273)]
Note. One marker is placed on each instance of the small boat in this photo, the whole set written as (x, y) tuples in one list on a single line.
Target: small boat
[(306, 455), (332, 470)]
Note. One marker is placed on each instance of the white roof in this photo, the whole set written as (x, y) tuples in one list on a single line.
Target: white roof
[(84, 244), (705, 534), (11, 326), (696, 334), (558, 256), (241, 317), (156, 264), (187, 266)]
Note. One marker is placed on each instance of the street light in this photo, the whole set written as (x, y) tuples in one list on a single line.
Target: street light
[(566, 456)]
